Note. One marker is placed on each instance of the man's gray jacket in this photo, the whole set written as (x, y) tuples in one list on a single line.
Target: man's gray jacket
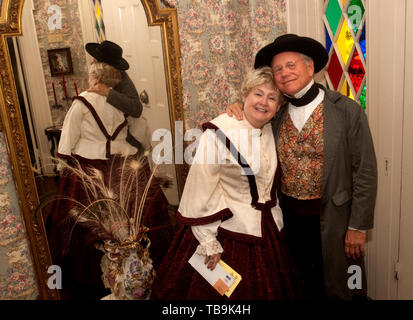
[(349, 187)]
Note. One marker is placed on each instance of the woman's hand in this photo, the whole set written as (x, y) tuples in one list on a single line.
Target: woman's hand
[(211, 261), (234, 109)]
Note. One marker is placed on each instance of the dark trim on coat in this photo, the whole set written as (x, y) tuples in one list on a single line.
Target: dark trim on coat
[(223, 215), (239, 236), (102, 128)]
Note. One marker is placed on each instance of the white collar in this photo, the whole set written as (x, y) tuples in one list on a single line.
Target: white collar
[(304, 90)]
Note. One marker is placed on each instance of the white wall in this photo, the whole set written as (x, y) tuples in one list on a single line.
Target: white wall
[(386, 57), (305, 19)]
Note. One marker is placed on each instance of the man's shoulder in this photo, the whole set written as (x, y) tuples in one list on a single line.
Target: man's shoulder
[(126, 86), (334, 98), (277, 117)]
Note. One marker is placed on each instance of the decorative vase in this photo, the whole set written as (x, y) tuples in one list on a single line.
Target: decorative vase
[(127, 268)]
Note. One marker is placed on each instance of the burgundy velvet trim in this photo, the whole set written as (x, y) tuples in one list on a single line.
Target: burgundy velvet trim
[(276, 183), (63, 156), (95, 162), (118, 129), (108, 137), (208, 125), (240, 236), (245, 166), (265, 206), (267, 269), (241, 161), (221, 215), (95, 115)]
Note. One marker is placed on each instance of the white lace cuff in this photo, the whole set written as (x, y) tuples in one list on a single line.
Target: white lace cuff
[(209, 248)]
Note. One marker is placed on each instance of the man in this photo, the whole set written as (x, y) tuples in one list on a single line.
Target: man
[(124, 95), (329, 171)]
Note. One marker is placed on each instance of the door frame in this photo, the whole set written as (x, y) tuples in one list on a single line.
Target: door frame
[(386, 43), (404, 284), (35, 86)]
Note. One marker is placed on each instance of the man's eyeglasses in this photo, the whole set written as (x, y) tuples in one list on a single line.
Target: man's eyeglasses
[(291, 65)]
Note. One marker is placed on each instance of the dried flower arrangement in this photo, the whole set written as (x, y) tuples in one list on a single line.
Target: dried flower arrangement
[(109, 204), (113, 211)]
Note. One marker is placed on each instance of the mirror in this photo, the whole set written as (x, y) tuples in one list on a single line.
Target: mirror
[(12, 120)]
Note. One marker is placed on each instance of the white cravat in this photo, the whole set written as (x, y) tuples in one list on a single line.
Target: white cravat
[(300, 115)]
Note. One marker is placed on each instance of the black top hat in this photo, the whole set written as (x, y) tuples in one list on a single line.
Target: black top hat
[(108, 52), (293, 42)]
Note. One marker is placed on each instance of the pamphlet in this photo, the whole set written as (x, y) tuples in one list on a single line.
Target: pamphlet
[(236, 276), (223, 278)]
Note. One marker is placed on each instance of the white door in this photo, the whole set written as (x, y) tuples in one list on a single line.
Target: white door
[(31, 77), (126, 25), (405, 283)]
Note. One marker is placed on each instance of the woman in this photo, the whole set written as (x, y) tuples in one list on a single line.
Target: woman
[(124, 95), (94, 137), (229, 207)]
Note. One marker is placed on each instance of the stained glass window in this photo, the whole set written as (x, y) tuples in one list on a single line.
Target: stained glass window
[(345, 27)]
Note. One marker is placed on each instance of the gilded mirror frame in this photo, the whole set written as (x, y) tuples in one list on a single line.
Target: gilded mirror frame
[(12, 126)]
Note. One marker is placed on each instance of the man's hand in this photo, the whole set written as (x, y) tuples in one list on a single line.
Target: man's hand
[(211, 261), (234, 109), (354, 244), (100, 88)]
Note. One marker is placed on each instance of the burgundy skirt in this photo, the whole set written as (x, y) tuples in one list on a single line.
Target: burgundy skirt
[(77, 255), (265, 266)]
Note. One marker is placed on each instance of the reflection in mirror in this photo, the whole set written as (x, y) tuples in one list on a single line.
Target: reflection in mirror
[(52, 96), (45, 100)]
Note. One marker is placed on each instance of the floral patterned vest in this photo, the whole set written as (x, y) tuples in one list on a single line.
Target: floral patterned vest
[(301, 156)]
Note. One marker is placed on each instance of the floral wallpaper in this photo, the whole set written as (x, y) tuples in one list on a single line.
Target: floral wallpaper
[(67, 35), (17, 279), (219, 39)]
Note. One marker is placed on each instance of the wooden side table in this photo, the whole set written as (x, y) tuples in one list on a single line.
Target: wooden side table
[(53, 135)]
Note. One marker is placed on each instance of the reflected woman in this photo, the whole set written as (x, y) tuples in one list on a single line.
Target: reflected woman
[(229, 207), (94, 136)]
